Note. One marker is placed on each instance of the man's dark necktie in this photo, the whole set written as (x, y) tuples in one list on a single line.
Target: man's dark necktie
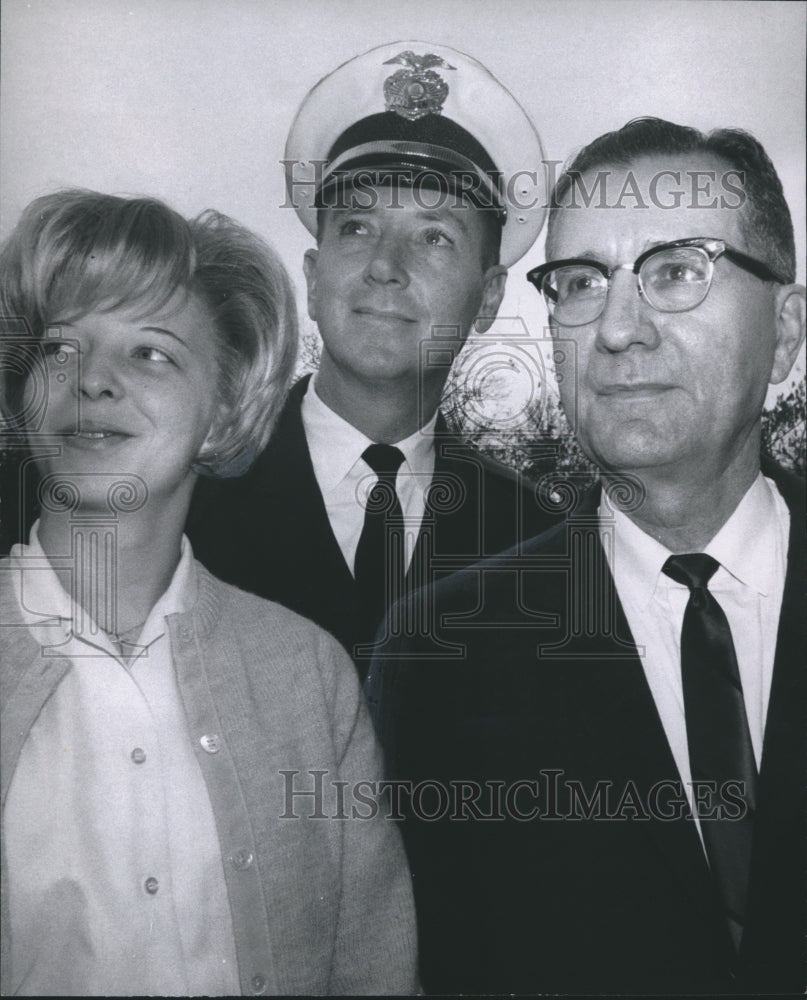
[(720, 747), (379, 567)]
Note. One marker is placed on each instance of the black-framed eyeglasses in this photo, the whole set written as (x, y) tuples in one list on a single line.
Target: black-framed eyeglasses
[(672, 277)]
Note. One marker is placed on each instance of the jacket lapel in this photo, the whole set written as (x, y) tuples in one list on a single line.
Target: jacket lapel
[(616, 716), (452, 532), (446, 485), (296, 558), (285, 486), (619, 716)]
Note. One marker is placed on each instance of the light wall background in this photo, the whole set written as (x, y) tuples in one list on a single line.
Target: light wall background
[(191, 100)]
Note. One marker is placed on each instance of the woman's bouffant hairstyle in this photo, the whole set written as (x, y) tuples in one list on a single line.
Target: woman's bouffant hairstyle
[(76, 252)]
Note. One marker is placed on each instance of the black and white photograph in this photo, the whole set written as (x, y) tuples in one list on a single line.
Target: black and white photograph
[(403, 433)]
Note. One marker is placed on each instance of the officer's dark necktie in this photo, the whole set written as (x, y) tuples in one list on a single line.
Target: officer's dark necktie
[(379, 566), (719, 741)]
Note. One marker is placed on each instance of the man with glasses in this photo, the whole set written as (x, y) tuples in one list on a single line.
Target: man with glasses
[(621, 734)]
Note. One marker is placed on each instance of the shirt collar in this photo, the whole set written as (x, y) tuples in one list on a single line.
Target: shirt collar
[(634, 556), (336, 445), (42, 599), (45, 602), (742, 546)]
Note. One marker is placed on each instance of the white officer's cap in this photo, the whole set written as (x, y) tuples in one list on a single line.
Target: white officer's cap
[(415, 109)]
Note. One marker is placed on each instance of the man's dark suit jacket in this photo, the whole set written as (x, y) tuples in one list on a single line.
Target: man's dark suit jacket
[(548, 686), (268, 531)]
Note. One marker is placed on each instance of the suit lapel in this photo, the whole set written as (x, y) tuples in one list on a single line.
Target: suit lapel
[(629, 713), (284, 480), (451, 534), (621, 717), (616, 716), (297, 558)]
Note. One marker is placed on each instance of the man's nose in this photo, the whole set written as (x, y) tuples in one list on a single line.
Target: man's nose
[(626, 318), (388, 261)]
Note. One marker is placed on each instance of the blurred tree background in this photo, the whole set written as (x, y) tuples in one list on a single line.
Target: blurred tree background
[(783, 428)]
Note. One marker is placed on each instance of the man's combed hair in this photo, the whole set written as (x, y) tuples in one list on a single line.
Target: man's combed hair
[(766, 221), (76, 252)]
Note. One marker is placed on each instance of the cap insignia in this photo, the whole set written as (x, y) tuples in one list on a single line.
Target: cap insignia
[(417, 90)]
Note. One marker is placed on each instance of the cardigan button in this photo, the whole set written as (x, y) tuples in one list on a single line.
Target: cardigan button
[(211, 742), (258, 983), (241, 859)]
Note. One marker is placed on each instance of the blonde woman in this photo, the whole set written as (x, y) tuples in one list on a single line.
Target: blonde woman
[(159, 728)]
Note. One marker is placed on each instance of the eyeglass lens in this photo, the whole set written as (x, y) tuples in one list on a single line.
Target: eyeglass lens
[(673, 280)]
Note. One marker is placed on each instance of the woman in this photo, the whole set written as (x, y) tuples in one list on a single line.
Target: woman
[(174, 749)]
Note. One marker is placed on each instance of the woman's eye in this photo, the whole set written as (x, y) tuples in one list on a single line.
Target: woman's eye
[(60, 349), (151, 354)]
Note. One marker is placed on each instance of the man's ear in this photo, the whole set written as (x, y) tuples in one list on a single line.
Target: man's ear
[(791, 310), (310, 271), (492, 294)]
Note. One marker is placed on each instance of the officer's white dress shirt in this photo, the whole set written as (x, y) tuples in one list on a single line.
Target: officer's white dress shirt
[(751, 548), (116, 883), (345, 479)]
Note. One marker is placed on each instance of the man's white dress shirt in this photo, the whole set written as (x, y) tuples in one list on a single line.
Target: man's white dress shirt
[(345, 479), (751, 548), (116, 883)]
